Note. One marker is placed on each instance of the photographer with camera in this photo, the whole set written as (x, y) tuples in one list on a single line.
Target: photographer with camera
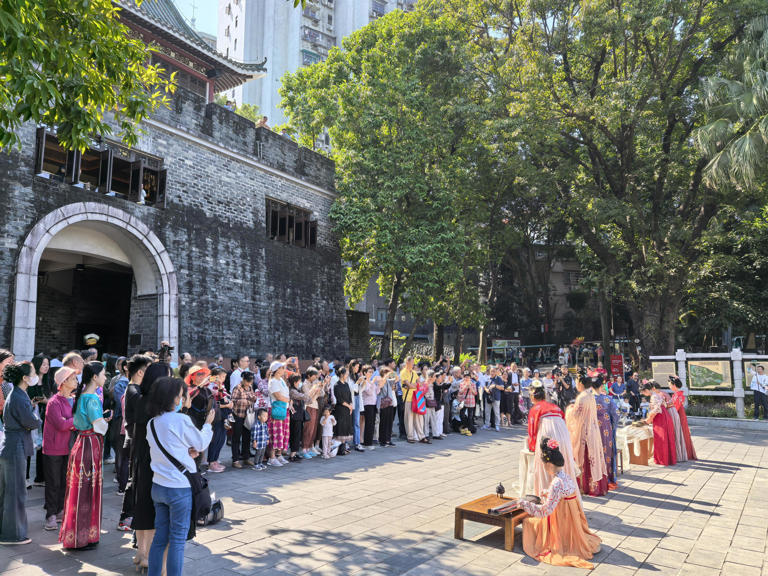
[(566, 391)]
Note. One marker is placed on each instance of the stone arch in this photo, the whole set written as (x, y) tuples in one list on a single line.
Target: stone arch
[(150, 260)]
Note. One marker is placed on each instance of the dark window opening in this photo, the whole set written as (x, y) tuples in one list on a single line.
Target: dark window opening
[(90, 167), (290, 224), (121, 178)]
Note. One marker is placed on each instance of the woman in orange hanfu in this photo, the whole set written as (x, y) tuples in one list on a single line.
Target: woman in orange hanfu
[(557, 531)]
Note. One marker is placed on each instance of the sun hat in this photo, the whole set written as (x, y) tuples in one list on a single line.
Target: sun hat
[(275, 366), (62, 374), (196, 370)]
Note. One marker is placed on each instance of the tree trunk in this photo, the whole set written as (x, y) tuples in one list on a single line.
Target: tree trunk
[(459, 345), (438, 338), (605, 326), (655, 321), (482, 350), (408, 341), (389, 326)]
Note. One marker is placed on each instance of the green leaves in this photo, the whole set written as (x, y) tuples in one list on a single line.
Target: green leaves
[(71, 64)]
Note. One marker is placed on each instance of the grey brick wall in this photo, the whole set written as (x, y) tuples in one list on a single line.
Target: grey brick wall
[(238, 290)]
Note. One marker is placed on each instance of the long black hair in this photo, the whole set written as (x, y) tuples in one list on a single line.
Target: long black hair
[(152, 374), (90, 370), (45, 379)]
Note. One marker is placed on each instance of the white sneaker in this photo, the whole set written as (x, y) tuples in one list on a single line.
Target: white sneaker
[(109, 460), (275, 462), (370, 447), (282, 460)]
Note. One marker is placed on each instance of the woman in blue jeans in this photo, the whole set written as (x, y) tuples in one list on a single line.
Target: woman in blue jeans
[(171, 492)]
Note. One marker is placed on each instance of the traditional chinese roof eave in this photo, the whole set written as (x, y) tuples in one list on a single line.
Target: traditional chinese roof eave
[(225, 72)]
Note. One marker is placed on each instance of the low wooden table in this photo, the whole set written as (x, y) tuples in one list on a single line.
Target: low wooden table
[(477, 511)]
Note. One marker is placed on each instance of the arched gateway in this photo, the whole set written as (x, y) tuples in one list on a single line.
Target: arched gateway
[(104, 234)]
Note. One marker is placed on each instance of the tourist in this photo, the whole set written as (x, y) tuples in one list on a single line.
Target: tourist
[(136, 368), (143, 522), (608, 419), (260, 438), (466, 396), (546, 420), (327, 422), (279, 423), (115, 391), (759, 386), (440, 387), (584, 429), (433, 430), (525, 394), (298, 400), (242, 364), (633, 394), (81, 525), (20, 417), (664, 453), (315, 388), (343, 411), (56, 437), (409, 379), (681, 454), (557, 532), (495, 388), (422, 386), (42, 392), (387, 406), (174, 441), (355, 378), (678, 398), (513, 395), (243, 400), (222, 404), (370, 392)]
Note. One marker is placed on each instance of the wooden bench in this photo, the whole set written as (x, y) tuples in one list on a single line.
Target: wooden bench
[(477, 511)]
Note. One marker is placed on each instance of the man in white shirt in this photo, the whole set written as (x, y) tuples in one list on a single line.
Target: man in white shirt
[(243, 364), (759, 386)]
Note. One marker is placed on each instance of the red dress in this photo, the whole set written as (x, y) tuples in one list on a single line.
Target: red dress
[(534, 419), (663, 432), (678, 398)]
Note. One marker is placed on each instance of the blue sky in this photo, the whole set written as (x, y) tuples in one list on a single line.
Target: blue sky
[(206, 13)]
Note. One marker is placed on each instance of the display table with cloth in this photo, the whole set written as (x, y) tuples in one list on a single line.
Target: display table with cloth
[(636, 442)]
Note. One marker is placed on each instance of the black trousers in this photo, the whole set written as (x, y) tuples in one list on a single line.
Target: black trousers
[(386, 420), (516, 414), (55, 468), (370, 424), (297, 432), (634, 403), (241, 441), (401, 415), (761, 400), (122, 461)]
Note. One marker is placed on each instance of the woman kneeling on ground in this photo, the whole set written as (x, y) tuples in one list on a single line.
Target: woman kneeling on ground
[(557, 532)]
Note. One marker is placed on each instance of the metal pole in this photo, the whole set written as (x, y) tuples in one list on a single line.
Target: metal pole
[(738, 381)]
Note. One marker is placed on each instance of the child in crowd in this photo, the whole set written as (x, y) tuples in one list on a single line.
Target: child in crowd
[(644, 409), (260, 438), (455, 412), (327, 422)]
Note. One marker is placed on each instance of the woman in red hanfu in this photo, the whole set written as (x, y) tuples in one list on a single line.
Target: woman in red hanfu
[(678, 398), (663, 432)]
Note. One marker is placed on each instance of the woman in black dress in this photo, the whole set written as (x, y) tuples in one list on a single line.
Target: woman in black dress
[(343, 411), (143, 505)]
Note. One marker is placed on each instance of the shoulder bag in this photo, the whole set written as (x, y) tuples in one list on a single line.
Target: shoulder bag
[(279, 410), (201, 494)]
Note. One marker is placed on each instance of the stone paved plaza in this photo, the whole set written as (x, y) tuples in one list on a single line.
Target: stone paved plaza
[(391, 512)]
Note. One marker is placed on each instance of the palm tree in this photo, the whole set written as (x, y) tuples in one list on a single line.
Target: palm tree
[(736, 137)]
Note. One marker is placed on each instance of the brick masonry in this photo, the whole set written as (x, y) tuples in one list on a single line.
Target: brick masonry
[(238, 290)]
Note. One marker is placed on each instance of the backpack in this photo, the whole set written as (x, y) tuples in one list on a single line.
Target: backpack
[(418, 402)]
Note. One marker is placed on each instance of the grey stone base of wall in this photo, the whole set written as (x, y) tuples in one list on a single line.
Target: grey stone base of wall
[(733, 423)]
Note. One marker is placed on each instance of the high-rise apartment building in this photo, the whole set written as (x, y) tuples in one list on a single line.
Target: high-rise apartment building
[(289, 38)]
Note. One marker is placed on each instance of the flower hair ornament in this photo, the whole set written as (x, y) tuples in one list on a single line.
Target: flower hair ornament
[(552, 444)]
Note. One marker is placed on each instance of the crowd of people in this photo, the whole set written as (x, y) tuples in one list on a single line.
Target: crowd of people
[(158, 422)]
